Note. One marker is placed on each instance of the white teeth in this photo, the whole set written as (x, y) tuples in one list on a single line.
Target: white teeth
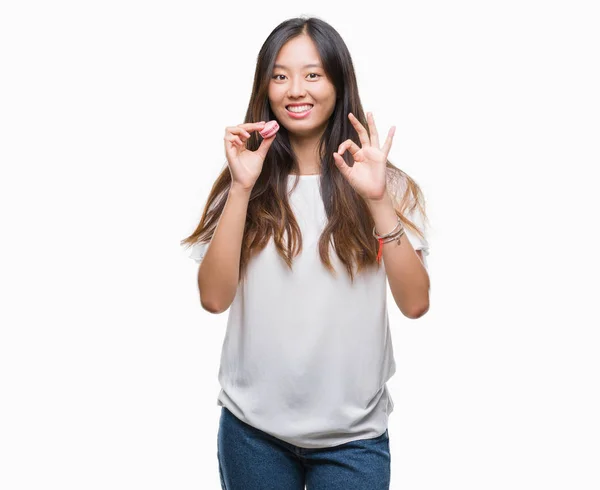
[(300, 108)]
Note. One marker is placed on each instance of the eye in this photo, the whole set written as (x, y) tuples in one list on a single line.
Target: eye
[(280, 75)]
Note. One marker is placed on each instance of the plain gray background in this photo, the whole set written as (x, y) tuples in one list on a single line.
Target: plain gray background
[(112, 121)]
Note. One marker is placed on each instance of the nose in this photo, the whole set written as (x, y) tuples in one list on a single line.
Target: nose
[(297, 88)]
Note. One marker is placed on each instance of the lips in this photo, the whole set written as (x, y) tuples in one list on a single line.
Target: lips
[(299, 115)]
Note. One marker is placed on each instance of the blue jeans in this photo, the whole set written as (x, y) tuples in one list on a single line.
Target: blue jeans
[(250, 459)]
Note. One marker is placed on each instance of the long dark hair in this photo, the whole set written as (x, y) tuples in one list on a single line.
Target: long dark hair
[(269, 214)]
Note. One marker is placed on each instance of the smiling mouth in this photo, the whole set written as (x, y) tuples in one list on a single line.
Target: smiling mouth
[(305, 108), (300, 115)]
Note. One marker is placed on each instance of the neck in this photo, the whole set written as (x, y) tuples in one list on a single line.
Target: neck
[(307, 156)]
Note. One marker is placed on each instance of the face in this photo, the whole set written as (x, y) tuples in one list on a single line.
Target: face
[(293, 82)]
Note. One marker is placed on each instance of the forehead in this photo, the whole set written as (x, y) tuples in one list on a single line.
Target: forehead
[(298, 53)]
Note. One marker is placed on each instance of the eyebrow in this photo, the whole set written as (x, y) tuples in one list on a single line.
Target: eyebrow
[(311, 65)]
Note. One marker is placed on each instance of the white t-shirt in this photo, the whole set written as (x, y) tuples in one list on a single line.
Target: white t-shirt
[(307, 355)]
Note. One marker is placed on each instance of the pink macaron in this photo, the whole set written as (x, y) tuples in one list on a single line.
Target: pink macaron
[(270, 129)]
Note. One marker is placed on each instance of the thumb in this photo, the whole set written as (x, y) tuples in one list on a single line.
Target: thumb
[(265, 145)]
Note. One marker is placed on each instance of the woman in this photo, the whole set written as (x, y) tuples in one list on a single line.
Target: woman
[(292, 238)]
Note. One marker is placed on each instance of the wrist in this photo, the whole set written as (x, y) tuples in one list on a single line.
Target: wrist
[(383, 202), (240, 189)]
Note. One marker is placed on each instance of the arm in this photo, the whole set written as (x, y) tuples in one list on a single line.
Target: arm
[(407, 276), (218, 274)]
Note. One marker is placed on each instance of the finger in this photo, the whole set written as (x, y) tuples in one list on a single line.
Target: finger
[(341, 164), (362, 132), (257, 126), (234, 139), (240, 132), (348, 144), (388, 142), (373, 130)]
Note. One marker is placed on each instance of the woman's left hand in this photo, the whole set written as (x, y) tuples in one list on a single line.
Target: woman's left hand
[(368, 175)]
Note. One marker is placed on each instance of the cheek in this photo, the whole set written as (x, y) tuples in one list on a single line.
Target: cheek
[(275, 92), (326, 94), (270, 94)]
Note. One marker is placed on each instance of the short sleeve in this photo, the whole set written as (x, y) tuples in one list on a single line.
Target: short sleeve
[(397, 188), (198, 250), (416, 241)]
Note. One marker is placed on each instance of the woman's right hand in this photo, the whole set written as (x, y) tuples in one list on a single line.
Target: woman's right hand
[(245, 165)]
